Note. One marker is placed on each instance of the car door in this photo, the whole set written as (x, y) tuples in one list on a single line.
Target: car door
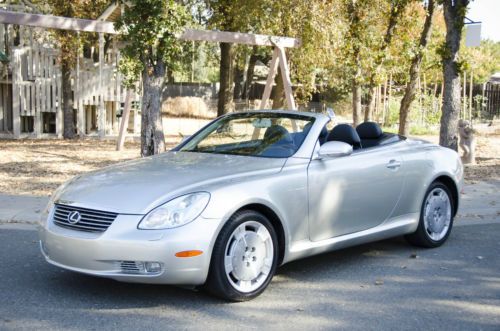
[(353, 193)]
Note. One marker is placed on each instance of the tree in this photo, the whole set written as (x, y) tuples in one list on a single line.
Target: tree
[(454, 14), (397, 8), (411, 87), (151, 48), (231, 15), (224, 18), (317, 26), (354, 33)]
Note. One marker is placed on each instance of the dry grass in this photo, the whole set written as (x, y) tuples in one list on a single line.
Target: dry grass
[(37, 167), (188, 107)]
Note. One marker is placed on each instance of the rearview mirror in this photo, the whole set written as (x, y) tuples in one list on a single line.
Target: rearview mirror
[(334, 149)]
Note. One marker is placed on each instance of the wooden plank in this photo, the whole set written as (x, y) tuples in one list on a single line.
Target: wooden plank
[(287, 83), (270, 78), (38, 114), (101, 110), (56, 22), (105, 15), (16, 119), (32, 98), (58, 104), (239, 38), (3, 110)]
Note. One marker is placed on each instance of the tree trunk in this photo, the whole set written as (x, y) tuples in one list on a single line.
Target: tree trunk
[(454, 13), (370, 103), (279, 92), (225, 102), (249, 74), (239, 76), (411, 88), (356, 103), (152, 137), (67, 102), (354, 36)]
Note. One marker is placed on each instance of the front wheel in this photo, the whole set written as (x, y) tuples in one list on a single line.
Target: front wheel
[(244, 258), (436, 217)]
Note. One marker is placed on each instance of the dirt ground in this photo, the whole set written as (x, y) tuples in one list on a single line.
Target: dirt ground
[(487, 158), (37, 167)]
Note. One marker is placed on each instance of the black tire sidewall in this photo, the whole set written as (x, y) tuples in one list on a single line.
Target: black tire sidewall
[(424, 236), (217, 282)]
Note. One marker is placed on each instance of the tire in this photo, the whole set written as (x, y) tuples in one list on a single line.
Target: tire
[(436, 217), (247, 242)]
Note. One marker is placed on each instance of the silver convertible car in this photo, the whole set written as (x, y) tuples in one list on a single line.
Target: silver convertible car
[(247, 193)]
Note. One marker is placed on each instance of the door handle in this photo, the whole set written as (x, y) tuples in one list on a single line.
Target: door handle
[(393, 164)]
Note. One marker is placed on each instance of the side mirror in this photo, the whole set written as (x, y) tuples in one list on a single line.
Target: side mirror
[(334, 149)]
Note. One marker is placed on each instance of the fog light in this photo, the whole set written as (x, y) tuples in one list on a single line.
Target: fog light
[(153, 267)]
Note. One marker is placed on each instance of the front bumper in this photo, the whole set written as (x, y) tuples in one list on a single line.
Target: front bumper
[(102, 254)]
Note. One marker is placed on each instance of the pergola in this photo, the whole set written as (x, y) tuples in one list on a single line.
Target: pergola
[(102, 27)]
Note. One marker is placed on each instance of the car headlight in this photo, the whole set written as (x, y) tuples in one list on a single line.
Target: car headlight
[(46, 211), (176, 212)]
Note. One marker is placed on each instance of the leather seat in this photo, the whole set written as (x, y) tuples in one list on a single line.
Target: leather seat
[(345, 133), (370, 134)]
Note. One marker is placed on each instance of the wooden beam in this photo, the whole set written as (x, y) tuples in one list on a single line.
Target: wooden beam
[(56, 22), (107, 13), (287, 82), (270, 79), (239, 38)]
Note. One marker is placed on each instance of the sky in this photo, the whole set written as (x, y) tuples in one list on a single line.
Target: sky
[(487, 12)]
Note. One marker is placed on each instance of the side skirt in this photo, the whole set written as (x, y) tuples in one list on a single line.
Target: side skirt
[(391, 228)]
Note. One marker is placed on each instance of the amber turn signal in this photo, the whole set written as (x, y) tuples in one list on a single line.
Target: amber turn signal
[(188, 253)]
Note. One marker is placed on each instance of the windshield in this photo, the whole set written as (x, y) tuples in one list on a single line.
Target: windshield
[(252, 134)]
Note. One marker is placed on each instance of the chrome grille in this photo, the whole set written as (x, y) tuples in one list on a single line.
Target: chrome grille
[(132, 267), (91, 220)]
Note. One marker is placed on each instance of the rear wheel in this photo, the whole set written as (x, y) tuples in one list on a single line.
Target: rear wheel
[(244, 258), (436, 217)]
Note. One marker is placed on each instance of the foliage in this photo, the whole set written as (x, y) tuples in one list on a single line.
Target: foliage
[(483, 61), (150, 35)]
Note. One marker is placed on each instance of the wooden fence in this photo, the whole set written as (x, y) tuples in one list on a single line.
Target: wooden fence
[(492, 100), (36, 84)]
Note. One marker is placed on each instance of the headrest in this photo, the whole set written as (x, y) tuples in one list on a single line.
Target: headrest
[(322, 135), (369, 130), (345, 133), (277, 133)]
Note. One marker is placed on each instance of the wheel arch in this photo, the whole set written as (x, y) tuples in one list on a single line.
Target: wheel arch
[(452, 186), (275, 221)]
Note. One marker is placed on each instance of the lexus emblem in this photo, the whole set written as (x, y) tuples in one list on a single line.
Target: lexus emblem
[(74, 217)]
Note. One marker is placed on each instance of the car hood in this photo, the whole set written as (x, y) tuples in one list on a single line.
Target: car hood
[(137, 186)]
